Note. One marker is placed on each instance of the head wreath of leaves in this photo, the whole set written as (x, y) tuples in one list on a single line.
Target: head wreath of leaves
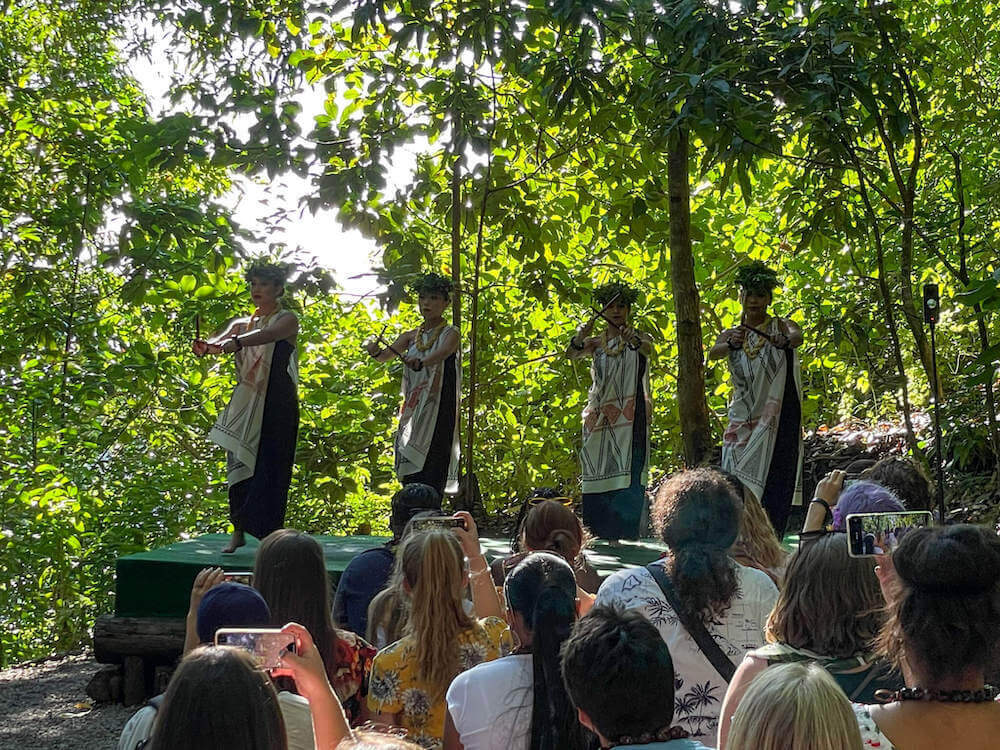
[(626, 295), (757, 277), (432, 283), (267, 270)]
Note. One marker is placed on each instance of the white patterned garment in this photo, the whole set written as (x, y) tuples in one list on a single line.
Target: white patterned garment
[(758, 372), (238, 427), (608, 418), (699, 688), (871, 737), (419, 410)]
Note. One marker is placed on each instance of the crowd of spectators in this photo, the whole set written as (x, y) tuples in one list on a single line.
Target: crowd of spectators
[(729, 640)]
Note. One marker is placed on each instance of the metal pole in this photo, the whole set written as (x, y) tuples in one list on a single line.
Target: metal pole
[(939, 449)]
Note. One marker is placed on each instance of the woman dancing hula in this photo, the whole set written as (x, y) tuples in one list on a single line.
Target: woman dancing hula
[(427, 438), (259, 427), (762, 445), (614, 457)]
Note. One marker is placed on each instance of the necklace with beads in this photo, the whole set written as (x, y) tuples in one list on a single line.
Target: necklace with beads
[(612, 351), (753, 349), (434, 333), (985, 694)]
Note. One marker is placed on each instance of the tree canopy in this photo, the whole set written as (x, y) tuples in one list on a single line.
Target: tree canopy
[(559, 145)]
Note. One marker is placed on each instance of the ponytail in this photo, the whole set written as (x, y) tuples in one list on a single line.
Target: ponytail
[(697, 515), (542, 589), (433, 567)]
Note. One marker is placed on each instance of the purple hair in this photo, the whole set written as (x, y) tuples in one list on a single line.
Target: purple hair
[(864, 497)]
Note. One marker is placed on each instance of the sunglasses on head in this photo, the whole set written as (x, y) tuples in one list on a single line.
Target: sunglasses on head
[(562, 500)]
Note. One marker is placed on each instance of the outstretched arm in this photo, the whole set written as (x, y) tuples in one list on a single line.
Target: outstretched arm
[(382, 353), (729, 340)]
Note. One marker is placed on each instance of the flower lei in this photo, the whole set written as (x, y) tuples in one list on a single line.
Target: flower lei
[(435, 335)]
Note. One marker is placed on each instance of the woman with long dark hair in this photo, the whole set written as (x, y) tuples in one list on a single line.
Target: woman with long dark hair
[(520, 701), (259, 426), (290, 573), (942, 588), (697, 595)]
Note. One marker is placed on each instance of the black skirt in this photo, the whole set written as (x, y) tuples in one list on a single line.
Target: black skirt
[(257, 505), (435, 471), (779, 489)]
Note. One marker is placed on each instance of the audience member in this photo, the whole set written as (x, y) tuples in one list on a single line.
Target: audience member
[(520, 701), (904, 477), (830, 498), (389, 609), (942, 587), (368, 572), (218, 699), (410, 677), (828, 612), (547, 523), (794, 706), (620, 678), (370, 740), (290, 574), (707, 608), (214, 603), (757, 546)]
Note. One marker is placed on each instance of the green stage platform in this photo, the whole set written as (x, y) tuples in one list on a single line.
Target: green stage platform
[(157, 583)]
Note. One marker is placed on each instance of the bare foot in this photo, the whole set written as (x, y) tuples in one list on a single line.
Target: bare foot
[(236, 541)]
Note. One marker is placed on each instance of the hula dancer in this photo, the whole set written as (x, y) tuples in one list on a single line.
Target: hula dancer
[(762, 445), (259, 427), (614, 457), (427, 439)]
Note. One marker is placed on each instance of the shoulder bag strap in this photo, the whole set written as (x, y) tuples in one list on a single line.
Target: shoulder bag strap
[(693, 625)]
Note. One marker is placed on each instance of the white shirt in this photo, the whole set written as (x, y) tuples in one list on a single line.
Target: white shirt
[(490, 704), (699, 688)]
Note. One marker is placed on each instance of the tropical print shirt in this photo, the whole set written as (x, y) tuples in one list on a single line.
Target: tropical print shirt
[(698, 687), (349, 678), (396, 689)]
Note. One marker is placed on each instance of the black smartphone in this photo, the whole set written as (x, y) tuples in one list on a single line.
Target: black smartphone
[(871, 534), (264, 644), (239, 576), (437, 522)]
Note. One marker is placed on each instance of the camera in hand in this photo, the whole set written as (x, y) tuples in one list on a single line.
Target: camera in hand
[(871, 534), (266, 645)]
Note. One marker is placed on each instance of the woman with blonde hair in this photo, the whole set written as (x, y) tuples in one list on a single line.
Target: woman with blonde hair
[(410, 677), (794, 706), (756, 546)]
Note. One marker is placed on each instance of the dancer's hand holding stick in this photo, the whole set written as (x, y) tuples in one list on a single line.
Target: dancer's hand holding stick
[(377, 345)]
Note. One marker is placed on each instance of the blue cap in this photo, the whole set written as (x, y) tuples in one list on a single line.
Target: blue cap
[(231, 605)]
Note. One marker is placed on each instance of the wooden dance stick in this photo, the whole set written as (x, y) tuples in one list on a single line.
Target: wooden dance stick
[(636, 342), (393, 349)]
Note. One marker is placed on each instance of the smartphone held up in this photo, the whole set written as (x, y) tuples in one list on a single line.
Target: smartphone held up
[(439, 522), (266, 645), (871, 534)]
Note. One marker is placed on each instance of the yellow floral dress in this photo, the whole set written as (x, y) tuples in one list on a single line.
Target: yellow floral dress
[(395, 688)]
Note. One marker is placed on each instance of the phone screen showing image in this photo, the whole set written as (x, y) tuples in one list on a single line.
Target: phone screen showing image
[(264, 644), (239, 576), (871, 534), (441, 522)]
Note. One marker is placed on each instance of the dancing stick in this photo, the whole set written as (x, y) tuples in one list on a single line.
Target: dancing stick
[(636, 342), (393, 349)]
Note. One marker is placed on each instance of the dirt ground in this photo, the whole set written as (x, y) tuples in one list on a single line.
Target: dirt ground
[(43, 706)]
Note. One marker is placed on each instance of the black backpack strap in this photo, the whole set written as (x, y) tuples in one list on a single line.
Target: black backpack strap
[(693, 625)]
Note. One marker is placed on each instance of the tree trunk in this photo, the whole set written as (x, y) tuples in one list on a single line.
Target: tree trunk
[(456, 272), (692, 406)]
